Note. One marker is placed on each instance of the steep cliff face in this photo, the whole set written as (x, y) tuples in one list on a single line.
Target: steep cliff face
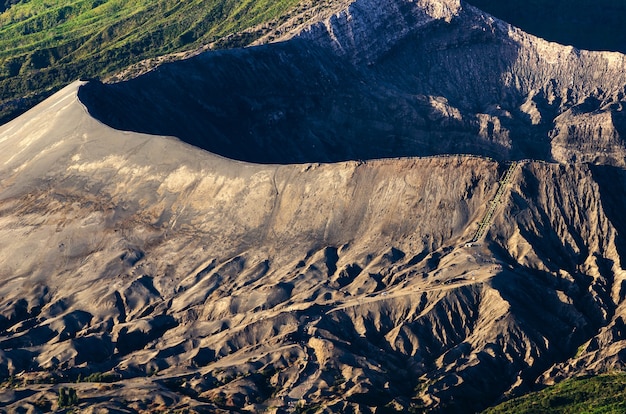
[(366, 30), (385, 79), (569, 234)]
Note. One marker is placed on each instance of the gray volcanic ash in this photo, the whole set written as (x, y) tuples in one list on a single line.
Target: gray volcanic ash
[(180, 279)]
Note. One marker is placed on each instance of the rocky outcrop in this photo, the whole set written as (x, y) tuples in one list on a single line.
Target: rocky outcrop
[(366, 30)]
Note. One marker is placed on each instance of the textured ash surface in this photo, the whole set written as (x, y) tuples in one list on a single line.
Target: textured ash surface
[(196, 281)]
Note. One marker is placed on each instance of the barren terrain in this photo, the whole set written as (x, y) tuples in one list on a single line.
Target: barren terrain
[(421, 270)]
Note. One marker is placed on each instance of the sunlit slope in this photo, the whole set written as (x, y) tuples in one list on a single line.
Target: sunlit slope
[(201, 282)]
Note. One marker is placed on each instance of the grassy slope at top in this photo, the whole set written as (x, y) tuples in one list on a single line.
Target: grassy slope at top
[(601, 394), (45, 44), (594, 25)]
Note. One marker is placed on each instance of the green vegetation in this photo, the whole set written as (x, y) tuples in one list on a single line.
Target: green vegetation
[(304, 408), (99, 377), (45, 44), (602, 394), (67, 397), (595, 25)]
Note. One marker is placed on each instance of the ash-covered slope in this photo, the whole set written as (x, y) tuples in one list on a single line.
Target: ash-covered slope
[(194, 281), (191, 281), (384, 79)]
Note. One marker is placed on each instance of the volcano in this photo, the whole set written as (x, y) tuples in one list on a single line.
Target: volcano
[(397, 206)]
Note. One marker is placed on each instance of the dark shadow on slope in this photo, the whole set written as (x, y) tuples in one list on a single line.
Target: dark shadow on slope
[(462, 67), (542, 323), (6, 4), (295, 102), (612, 186)]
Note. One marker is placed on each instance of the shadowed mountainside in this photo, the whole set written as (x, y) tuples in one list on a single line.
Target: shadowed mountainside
[(426, 79)]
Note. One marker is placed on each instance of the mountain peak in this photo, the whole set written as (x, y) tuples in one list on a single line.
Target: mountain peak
[(366, 29)]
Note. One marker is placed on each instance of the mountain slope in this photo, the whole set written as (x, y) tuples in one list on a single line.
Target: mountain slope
[(141, 249), (341, 285), (419, 81), (192, 281)]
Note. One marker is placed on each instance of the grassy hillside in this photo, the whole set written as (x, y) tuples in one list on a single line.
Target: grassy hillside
[(45, 44), (602, 394)]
